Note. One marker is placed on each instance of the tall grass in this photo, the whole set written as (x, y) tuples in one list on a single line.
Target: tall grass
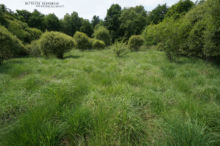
[(96, 98)]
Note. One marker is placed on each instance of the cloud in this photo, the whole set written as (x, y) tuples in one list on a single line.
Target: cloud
[(85, 8)]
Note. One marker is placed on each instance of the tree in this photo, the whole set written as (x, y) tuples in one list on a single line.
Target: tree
[(71, 23), (52, 23), (133, 20), (157, 15), (179, 9), (2, 18), (112, 21), (23, 15), (37, 20), (86, 27), (102, 33), (95, 20)]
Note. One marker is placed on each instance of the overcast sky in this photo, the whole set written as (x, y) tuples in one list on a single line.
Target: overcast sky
[(85, 8)]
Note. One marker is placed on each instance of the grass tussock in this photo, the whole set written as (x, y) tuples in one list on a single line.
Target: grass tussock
[(97, 98)]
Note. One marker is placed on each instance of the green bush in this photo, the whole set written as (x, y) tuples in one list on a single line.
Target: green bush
[(196, 33), (11, 46), (135, 42), (56, 43), (101, 33), (152, 34), (82, 40), (22, 31), (34, 48), (34, 33), (179, 9), (98, 44), (18, 28), (212, 32), (120, 49)]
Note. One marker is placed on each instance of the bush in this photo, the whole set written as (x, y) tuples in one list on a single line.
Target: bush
[(82, 40), (11, 46), (196, 33), (34, 33), (56, 43), (101, 33), (18, 28), (152, 33), (212, 32), (120, 49), (135, 42), (34, 48), (98, 44)]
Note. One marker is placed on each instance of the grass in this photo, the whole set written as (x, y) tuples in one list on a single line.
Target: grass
[(94, 98)]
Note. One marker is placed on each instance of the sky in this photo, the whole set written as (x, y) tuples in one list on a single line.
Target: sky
[(85, 8)]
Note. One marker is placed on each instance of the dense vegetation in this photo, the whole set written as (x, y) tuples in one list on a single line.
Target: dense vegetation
[(96, 98), (56, 43), (196, 33), (183, 29), (134, 78), (11, 46)]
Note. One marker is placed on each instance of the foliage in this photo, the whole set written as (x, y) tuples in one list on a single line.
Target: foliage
[(22, 31), (51, 22), (34, 33), (179, 9), (36, 20), (56, 43), (86, 27), (120, 49), (18, 28), (135, 42), (71, 23), (34, 48), (138, 16), (101, 33), (112, 21), (157, 15), (11, 46), (23, 15), (82, 40), (194, 34), (2, 18), (212, 32), (98, 44), (95, 20)]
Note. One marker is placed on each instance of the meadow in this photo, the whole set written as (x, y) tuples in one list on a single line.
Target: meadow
[(95, 98)]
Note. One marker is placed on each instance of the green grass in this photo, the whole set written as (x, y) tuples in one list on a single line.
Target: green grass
[(94, 98)]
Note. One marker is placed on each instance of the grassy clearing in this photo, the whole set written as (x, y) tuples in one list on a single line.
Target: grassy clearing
[(95, 98)]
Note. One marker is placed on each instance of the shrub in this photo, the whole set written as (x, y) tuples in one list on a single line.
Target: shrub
[(196, 33), (135, 42), (98, 44), (56, 43), (102, 33), (34, 48), (34, 33), (152, 33), (18, 28), (10, 45), (120, 49), (179, 9), (82, 40), (212, 32)]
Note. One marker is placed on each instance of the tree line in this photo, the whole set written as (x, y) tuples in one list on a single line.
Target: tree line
[(121, 22), (185, 28)]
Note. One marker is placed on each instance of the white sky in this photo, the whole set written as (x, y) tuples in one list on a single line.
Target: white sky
[(85, 8)]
